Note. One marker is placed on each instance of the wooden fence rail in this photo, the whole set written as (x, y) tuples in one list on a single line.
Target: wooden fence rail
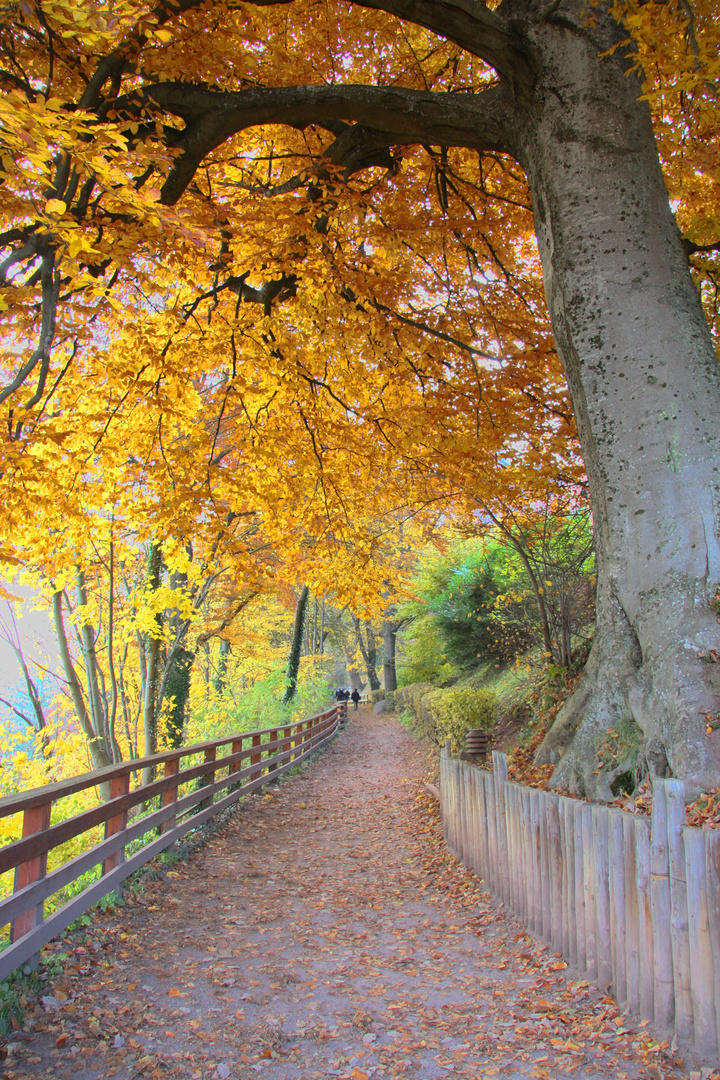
[(632, 903), (162, 814)]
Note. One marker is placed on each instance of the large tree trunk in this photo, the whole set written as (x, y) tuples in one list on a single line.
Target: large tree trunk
[(645, 387)]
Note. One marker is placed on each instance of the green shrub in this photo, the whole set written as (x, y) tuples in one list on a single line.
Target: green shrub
[(458, 709), (376, 695), (390, 700), (448, 714)]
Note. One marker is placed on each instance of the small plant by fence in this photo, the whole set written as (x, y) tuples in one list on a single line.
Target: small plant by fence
[(632, 903), (151, 817)]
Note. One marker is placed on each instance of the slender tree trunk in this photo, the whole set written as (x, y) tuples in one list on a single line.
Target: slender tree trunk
[(96, 700), (645, 386), (114, 696), (152, 657), (98, 751), (352, 672), (389, 672), (178, 688), (369, 653), (296, 646), (322, 628), (223, 656)]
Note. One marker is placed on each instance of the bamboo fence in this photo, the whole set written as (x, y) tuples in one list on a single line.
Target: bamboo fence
[(632, 903)]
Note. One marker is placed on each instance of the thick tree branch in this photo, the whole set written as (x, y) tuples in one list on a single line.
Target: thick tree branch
[(396, 117)]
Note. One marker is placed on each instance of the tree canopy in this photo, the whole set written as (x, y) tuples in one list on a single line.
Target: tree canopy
[(282, 275)]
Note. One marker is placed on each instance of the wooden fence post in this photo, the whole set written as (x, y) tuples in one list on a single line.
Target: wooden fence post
[(491, 806), (35, 819), (169, 797), (529, 864), (499, 761), (712, 868), (119, 785), (679, 931), (701, 957), (208, 779), (236, 748), (546, 924), (632, 919), (645, 930), (443, 790), (555, 867), (616, 874), (660, 902), (600, 862), (589, 885), (536, 928), (569, 882), (564, 909), (256, 757), (513, 844), (603, 940), (477, 825), (580, 917)]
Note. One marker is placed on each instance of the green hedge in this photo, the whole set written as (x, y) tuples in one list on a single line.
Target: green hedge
[(448, 714), (376, 695)]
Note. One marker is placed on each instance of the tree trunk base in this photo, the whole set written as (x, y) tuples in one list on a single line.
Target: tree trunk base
[(646, 704)]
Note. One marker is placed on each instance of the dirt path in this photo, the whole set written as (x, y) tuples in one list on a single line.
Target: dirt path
[(325, 933)]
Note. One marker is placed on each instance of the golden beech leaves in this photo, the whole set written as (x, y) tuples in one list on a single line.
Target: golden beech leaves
[(298, 341)]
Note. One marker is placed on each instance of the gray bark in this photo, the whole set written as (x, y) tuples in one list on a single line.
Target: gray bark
[(389, 672), (98, 753), (643, 379), (369, 652), (152, 662)]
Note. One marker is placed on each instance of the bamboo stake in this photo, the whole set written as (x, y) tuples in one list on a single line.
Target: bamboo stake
[(679, 932), (660, 897)]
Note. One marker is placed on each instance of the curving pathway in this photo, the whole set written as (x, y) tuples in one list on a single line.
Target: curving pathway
[(325, 933)]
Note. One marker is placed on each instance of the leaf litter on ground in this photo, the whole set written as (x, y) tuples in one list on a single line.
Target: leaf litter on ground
[(326, 932)]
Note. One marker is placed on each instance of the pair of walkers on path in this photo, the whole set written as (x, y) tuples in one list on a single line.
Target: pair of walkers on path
[(345, 695)]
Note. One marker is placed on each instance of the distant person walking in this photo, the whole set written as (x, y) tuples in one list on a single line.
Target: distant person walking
[(355, 697)]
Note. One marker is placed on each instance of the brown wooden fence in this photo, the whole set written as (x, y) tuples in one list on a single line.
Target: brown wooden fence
[(632, 903), (150, 817)]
